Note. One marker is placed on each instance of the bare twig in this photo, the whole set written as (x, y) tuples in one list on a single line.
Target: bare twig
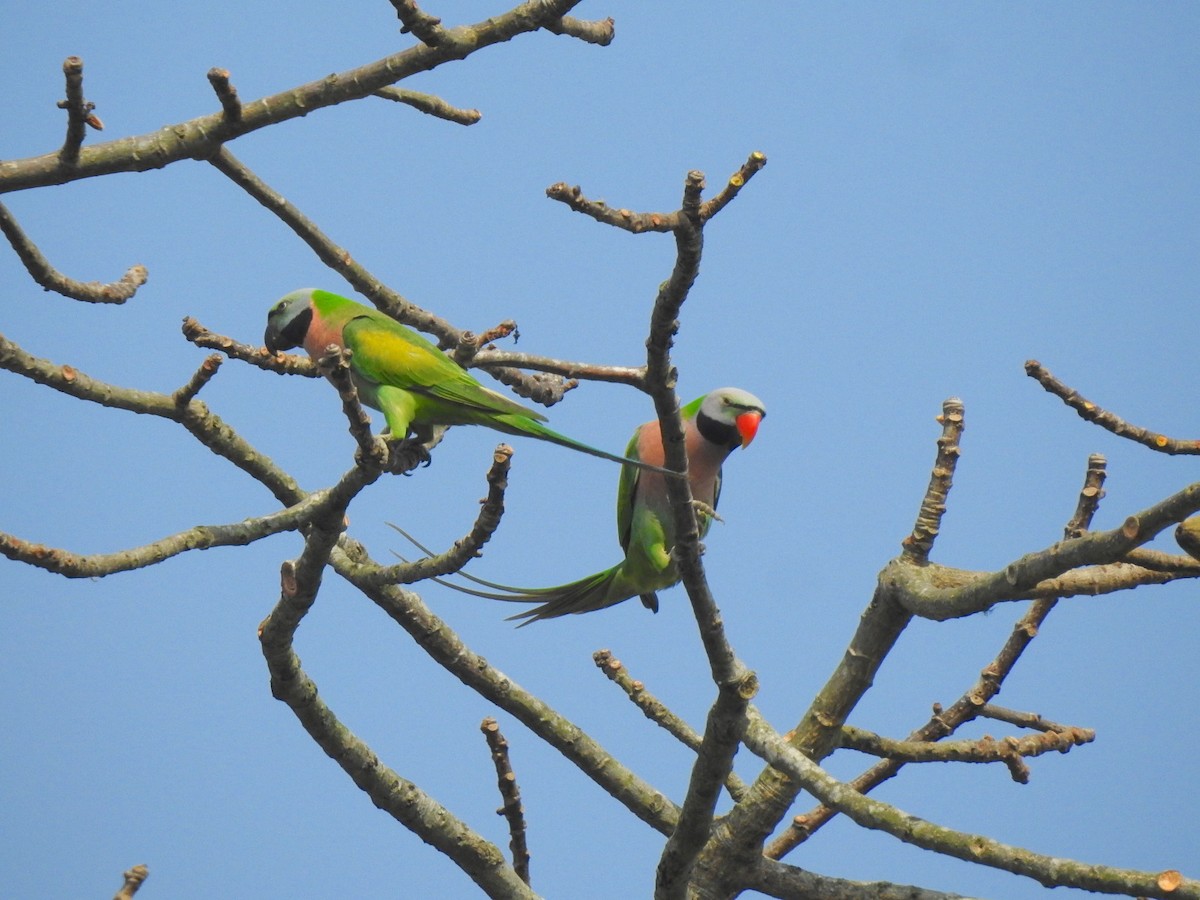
[(51, 279), (466, 548), (196, 383), (917, 545), (599, 32), (658, 712), (280, 363), (335, 365), (1090, 412), (430, 105), (79, 111), (512, 810), (426, 28), (733, 186), (226, 93), (625, 219), (984, 750), (199, 537), (628, 220), (133, 880)]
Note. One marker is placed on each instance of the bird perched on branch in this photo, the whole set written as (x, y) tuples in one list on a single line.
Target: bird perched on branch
[(714, 426), (415, 385)]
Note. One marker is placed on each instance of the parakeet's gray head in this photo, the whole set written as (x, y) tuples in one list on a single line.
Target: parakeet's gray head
[(288, 321), (729, 417)]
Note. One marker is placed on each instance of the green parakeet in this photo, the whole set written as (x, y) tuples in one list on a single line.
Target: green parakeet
[(714, 426), (398, 372)]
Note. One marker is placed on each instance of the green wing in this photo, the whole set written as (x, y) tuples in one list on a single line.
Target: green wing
[(627, 491), (389, 353)]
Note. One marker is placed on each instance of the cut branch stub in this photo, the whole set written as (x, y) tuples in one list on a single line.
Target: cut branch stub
[(919, 543)]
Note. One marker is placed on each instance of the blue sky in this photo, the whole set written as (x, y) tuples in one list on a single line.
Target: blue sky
[(951, 189)]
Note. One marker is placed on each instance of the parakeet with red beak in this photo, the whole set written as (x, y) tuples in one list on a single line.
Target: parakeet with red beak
[(398, 372), (714, 426)]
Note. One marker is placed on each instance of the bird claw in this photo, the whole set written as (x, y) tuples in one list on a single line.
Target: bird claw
[(703, 509), (406, 455)]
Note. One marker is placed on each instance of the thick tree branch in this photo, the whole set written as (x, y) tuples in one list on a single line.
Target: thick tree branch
[(448, 650), (481, 860), (946, 721), (199, 537), (869, 813), (922, 590), (203, 425), (788, 882), (200, 138), (51, 279)]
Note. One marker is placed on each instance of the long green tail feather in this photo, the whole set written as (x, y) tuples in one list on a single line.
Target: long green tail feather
[(533, 428), (585, 595)]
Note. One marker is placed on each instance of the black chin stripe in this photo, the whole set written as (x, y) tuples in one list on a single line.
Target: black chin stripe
[(720, 433), (293, 335)]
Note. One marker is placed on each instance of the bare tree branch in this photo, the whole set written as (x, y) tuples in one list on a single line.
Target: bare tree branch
[(946, 721), (512, 810), (929, 520), (922, 592), (430, 105), (600, 32), (985, 750), (448, 650), (426, 28), (203, 425), (280, 363), (466, 548), (543, 390), (79, 111), (133, 880), (51, 279), (231, 104), (778, 880), (481, 860), (198, 537), (1090, 412), (636, 223), (200, 138), (973, 848), (658, 712)]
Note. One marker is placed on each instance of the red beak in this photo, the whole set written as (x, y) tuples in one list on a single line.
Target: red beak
[(747, 426)]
